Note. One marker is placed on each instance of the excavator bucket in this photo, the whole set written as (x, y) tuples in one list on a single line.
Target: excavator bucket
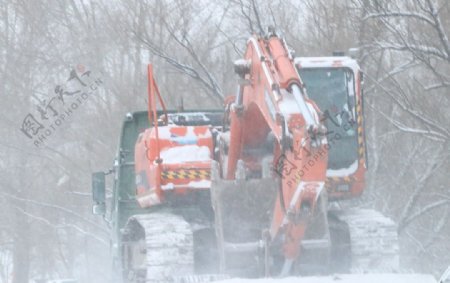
[(243, 210)]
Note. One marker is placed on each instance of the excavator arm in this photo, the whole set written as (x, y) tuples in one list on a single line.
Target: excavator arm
[(271, 107)]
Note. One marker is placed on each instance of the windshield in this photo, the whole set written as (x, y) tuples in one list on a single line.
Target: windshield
[(333, 91)]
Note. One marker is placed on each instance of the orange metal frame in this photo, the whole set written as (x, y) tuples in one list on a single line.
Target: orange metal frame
[(272, 70), (154, 175), (153, 92)]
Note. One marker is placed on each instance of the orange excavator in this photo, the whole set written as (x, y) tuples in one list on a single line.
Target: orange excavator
[(252, 191), (272, 124), (282, 160)]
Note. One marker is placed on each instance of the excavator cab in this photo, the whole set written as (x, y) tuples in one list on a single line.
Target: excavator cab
[(334, 83)]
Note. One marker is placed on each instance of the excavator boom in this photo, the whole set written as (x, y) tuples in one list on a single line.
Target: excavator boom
[(272, 125)]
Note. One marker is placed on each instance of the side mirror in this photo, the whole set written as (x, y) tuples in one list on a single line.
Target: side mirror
[(98, 193)]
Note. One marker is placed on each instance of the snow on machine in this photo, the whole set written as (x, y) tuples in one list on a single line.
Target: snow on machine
[(246, 192)]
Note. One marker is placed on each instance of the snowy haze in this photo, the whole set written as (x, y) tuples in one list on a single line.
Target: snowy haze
[(355, 278), (47, 230)]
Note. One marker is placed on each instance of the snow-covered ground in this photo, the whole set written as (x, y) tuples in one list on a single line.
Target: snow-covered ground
[(353, 278)]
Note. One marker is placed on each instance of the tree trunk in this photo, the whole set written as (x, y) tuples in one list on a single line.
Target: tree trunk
[(21, 252)]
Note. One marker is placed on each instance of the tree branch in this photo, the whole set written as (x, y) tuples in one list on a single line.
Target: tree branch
[(57, 207), (408, 14)]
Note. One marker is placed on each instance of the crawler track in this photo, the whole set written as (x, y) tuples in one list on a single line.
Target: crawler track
[(373, 241), (159, 249)]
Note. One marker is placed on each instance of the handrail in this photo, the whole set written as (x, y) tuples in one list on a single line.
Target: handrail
[(152, 111)]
